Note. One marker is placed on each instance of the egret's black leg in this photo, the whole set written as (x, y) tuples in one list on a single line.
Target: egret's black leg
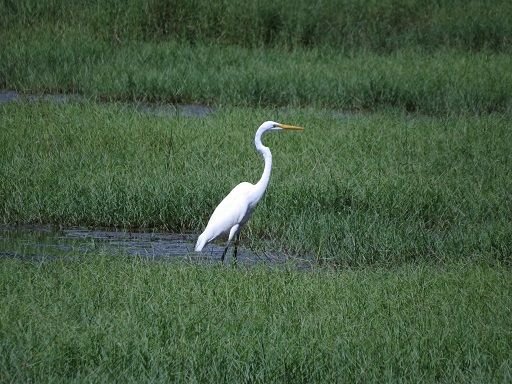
[(237, 240), (233, 232), (224, 253)]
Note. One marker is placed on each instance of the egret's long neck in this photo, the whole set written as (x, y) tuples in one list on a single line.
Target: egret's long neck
[(261, 185)]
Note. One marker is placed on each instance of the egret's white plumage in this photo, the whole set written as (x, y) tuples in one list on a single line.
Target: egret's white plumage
[(236, 208)]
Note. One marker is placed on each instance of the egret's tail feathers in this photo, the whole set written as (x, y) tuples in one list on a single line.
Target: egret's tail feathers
[(201, 242)]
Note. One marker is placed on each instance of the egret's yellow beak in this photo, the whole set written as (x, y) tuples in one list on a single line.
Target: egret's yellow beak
[(291, 127)]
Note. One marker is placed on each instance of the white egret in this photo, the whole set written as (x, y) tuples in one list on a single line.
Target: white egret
[(236, 208)]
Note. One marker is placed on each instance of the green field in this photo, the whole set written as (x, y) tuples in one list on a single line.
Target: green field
[(398, 190), (109, 319)]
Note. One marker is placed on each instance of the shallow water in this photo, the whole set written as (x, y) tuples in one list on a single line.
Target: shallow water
[(41, 243), (157, 109)]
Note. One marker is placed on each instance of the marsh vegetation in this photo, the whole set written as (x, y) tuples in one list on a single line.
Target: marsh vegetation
[(399, 189)]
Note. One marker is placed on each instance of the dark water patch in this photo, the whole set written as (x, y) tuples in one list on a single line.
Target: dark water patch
[(47, 242), (7, 96), (159, 109), (155, 109)]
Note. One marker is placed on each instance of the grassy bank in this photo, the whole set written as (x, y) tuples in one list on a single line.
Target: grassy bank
[(385, 187), (115, 319), (382, 26), (444, 82)]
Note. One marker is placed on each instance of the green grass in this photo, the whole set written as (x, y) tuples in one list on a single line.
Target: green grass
[(441, 83), (435, 59), (379, 26), (356, 189), (100, 318)]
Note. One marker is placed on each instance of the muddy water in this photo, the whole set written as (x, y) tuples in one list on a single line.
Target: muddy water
[(168, 110), (46, 243)]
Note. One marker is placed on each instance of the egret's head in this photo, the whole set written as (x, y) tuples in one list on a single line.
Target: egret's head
[(273, 126)]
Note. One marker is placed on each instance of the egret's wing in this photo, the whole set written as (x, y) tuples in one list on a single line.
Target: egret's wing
[(232, 210)]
